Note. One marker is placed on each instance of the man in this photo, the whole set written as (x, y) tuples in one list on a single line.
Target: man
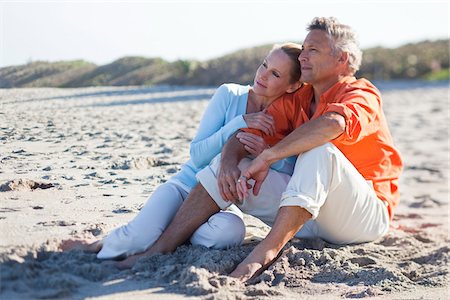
[(344, 186)]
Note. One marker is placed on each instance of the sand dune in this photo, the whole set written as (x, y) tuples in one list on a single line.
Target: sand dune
[(79, 162)]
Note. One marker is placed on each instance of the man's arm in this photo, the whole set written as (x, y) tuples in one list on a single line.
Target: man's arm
[(306, 137)]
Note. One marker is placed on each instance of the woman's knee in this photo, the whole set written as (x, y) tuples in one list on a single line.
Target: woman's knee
[(223, 230)]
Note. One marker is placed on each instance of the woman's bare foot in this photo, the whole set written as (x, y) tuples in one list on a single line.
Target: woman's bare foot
[(84, 245), (129, 262)]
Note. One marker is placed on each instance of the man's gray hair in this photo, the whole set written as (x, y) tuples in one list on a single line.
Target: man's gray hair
[(345, 39)]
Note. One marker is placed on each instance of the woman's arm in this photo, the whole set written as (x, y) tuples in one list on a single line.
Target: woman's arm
[(213, 132)]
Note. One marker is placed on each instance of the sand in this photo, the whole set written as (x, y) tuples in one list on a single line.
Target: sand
[(76, 163)]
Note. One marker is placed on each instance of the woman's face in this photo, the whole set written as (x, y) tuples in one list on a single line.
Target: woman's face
[(273, 76)]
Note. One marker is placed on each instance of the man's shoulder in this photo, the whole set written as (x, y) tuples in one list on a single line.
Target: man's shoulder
[(361, 85), (303, 94), (352, 88)]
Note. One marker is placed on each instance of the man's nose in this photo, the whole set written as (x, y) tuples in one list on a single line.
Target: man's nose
[(302, 56)]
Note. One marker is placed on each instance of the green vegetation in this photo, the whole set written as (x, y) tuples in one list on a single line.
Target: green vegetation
[(412, 61), (427, 60), (439, 75), (41, 73)]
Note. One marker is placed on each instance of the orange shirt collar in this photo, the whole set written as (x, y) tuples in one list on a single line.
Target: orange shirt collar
[(330, 94)]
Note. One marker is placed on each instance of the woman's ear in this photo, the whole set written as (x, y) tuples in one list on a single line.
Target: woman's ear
[(294, 86)]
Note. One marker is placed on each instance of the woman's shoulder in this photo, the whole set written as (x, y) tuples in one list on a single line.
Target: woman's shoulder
[(234, 89)]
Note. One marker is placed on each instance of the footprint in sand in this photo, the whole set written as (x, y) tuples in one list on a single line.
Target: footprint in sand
[(363, 261), (436, 257), (407, 216), (8, 209), (422, 238), (18, 151), (94, 229), (429, 225), (138, 163), (57, 223), (425, 202), (122, 210), (24, 184)]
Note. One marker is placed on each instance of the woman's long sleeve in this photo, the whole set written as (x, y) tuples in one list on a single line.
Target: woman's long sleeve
[(213, 133)]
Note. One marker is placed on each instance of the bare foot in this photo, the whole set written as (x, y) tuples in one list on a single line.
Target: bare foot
[(246, 271), (84, 245), (129, 262)]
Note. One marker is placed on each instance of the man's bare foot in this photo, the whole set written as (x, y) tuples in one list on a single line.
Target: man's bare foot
[(246, 271), (84, 245)]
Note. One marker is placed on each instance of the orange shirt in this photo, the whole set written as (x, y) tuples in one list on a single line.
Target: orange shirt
[(366, 142)]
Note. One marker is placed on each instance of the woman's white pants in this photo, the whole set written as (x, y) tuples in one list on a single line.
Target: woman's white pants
[(224, 229)]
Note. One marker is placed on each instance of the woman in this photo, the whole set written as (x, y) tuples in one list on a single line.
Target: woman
[(231, 108)]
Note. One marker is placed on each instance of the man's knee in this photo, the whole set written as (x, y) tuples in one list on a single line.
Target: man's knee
[(223, 230), (324, 149)]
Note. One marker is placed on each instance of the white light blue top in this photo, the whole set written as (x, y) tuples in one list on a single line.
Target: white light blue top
[(221, 119)]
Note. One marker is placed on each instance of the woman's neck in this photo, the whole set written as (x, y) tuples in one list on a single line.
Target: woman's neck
[(257, 103)]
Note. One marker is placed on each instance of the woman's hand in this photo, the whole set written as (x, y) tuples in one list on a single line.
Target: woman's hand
[(262, 121), (253, 143)]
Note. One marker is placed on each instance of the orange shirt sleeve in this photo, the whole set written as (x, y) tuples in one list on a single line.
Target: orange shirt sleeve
[(282, 125), (287, 111), (361, 110)]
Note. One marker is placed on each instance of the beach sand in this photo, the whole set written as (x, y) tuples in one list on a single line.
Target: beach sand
[(76, 163)]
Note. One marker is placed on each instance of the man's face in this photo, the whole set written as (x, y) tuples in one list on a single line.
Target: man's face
[(319, 63)]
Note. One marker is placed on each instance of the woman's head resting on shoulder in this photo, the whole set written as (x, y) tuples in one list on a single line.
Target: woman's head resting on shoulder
[(279, 72), (292, 50)]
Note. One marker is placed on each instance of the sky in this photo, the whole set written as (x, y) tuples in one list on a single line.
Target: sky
[(103, 31)]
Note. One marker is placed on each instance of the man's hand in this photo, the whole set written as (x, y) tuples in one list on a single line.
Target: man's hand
[(257, 170)]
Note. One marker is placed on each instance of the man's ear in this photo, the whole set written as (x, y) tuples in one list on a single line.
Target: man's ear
[(294, 86), (343, 58)]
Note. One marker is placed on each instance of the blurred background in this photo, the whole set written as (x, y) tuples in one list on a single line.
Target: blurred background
[(205, 43)]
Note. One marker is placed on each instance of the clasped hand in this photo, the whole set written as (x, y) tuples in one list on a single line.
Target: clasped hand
[(227, 180), (257, 170), (234, 184)]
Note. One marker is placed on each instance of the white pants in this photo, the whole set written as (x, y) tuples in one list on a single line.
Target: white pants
[(145, 229), (343, 205)]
